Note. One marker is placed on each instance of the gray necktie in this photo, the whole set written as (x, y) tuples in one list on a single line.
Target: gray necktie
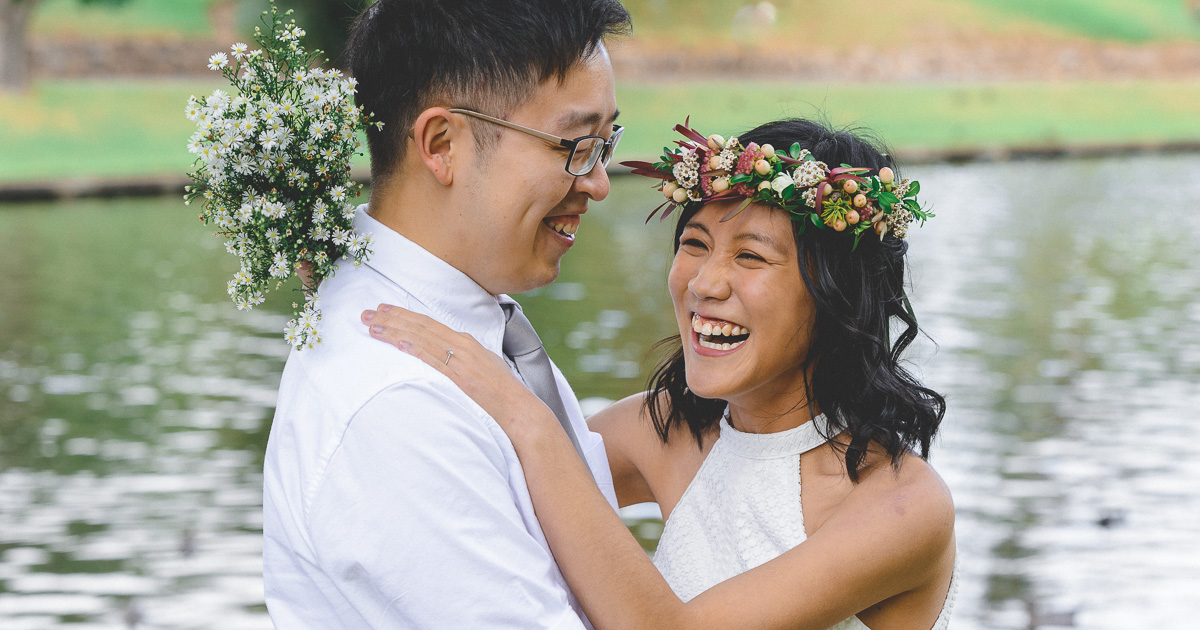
[(523, 346)]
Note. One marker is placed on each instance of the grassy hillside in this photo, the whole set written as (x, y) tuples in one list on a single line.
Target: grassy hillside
[(828, 23), (848, 24), (126, 128), (1123, 20)]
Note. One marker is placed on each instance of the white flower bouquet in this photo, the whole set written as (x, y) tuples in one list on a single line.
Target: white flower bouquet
[(272, 168)]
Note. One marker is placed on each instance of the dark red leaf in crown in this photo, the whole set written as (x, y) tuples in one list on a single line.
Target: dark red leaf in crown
[(841, 177), (652, 173), (660, 206), (690, 133)]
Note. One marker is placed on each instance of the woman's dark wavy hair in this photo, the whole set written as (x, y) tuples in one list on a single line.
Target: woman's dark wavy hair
[(857, 379)]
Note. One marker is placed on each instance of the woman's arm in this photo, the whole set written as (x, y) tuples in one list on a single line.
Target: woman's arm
[(887, 538), (615, 582), (631, 446)]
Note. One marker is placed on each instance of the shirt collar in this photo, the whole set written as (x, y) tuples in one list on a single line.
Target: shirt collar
[(450, 295)]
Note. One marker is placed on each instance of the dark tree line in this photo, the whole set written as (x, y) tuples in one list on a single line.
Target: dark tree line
[(327, 23)]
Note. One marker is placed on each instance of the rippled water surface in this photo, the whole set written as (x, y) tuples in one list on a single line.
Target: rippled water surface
[(1064, 298)]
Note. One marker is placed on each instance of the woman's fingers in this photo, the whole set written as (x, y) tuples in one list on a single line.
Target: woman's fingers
[(480, 373), (406, 330), (450, 352)]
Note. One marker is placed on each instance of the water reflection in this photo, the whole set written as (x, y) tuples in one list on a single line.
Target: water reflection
[(135, 400), (135, 407), (1065, 299)]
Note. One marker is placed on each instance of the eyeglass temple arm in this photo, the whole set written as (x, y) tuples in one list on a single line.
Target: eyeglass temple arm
[(555, 140)]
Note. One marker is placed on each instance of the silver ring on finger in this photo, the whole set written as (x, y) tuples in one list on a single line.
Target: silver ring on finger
[(449, 354)]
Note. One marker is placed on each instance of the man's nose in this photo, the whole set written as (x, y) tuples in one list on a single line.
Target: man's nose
[(594, 184)]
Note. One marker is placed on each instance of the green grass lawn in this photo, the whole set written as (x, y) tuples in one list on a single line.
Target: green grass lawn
[(105, 128), (154, 18), (129, 128), (934, 116)]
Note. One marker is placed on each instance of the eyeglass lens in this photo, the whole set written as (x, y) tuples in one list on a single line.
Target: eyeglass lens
[(589, 151), (586, 153)]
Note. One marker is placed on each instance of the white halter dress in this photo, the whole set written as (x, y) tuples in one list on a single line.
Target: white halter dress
[(743, 509)]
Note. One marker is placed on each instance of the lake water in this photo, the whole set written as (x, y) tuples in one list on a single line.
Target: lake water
[(1064, 299)]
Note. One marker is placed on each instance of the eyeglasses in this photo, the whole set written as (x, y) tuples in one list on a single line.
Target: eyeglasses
[(585, 151)]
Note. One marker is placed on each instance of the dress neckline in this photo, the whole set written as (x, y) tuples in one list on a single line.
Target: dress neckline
[(793, 441)]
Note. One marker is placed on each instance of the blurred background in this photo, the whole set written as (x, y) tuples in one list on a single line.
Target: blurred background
[(1058, 142)]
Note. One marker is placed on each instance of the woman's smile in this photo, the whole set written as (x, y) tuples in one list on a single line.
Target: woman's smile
[(717, 337)]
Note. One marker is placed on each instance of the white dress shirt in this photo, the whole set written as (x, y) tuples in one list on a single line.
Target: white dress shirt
[(392, 500)]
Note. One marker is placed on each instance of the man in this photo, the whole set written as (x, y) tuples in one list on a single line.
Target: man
[(391, 500)]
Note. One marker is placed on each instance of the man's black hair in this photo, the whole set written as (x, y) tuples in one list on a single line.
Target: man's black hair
[(489, 55)]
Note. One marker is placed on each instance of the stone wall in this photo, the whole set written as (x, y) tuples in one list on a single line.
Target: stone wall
[(947, 60), (131, 58), (943, 60)]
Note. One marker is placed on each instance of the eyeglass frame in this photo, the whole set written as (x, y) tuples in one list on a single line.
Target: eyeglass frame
[(608, 145)]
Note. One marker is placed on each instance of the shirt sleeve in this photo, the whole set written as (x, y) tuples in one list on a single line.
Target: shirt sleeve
[(417, 524)]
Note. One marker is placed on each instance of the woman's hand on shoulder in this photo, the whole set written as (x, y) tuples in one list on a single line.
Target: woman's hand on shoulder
[(479, 372)]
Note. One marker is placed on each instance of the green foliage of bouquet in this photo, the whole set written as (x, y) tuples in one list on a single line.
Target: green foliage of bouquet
[(272, 168)]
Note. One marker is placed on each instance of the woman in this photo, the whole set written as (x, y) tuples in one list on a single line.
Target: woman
[(786, 278)]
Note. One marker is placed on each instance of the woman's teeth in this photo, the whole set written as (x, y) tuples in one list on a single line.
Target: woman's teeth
[(717, 334)]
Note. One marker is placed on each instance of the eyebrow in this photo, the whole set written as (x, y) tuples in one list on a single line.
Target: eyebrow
[(573, 120), (765, 239)]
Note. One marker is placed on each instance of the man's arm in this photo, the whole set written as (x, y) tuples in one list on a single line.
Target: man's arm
[(416, 523)]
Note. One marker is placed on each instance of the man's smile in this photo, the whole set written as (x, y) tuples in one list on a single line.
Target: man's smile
[(563, 225)]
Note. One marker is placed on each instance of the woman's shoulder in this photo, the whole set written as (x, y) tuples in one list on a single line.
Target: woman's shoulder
[(909, 500), (633, 441), (911, 478), (622, 421), (905, 519), (629, 420)]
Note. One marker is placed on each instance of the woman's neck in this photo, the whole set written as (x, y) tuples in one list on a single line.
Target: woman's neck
[(775, 406), (760, 418)]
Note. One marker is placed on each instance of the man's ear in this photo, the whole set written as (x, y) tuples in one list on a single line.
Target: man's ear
[(439, 138)]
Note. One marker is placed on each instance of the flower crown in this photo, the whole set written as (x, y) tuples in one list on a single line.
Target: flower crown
[(844, 199)]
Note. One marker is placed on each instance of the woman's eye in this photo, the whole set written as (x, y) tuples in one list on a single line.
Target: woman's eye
[(749, 256), (691, 242)]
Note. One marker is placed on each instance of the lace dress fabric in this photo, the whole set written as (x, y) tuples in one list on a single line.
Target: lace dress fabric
[(743, 509)]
